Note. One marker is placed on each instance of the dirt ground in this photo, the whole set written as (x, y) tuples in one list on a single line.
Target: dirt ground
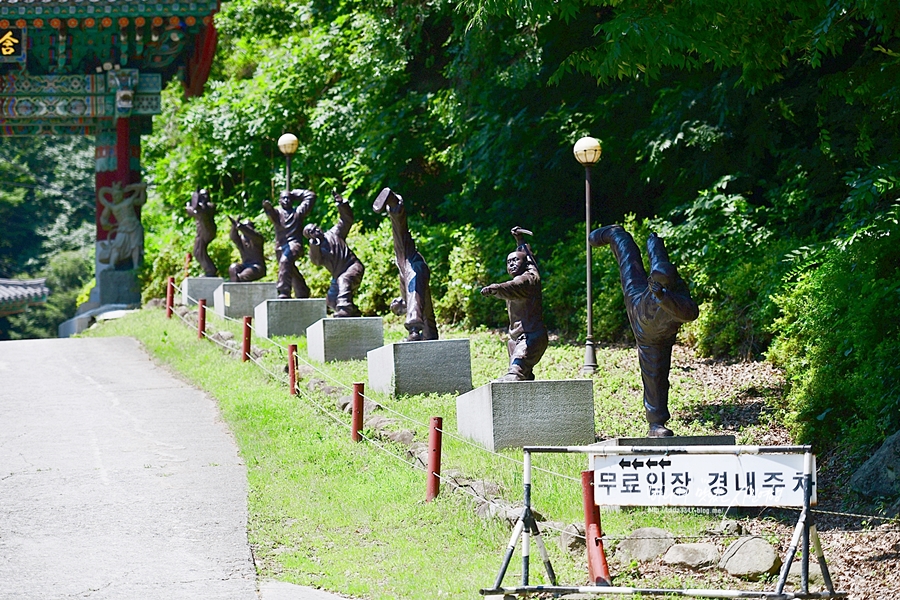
[(862, 551)]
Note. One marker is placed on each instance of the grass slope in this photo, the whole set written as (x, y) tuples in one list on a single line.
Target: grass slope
[(327, 512)]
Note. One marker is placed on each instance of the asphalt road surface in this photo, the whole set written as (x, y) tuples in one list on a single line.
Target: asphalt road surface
[(118, 481)]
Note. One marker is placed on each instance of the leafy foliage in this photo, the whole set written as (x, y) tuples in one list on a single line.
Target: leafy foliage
[(66, 273), (839, 338)]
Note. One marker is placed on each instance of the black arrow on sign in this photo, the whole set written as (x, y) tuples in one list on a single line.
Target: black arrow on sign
[(637, 463)]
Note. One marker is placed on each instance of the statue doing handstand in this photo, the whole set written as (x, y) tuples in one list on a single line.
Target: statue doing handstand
[(415, 291), (528, 337), (657, 305)]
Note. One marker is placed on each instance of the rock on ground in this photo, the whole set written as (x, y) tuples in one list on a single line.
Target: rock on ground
[(880, 475), (750, 558), (693, 556), (644, 544)]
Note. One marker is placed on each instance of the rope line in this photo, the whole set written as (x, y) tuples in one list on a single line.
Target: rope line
[(465, 489)]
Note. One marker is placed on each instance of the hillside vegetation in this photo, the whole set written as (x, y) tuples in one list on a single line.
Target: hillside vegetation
[(760, 141)]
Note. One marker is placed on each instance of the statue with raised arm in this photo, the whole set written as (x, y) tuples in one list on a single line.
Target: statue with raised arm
[(528, 337), (329, 249), (415, 292), (288, 222), (657, 305), (251, 245), (126, 234), (202, 210)]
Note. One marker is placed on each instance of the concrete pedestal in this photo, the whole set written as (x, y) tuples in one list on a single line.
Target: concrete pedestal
[(197, 288), (118, 287), (427, 367), (514, 414), (289, 316), (344, 338), (236, 299)]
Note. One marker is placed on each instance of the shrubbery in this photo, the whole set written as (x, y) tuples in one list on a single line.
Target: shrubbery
[(838, 340)]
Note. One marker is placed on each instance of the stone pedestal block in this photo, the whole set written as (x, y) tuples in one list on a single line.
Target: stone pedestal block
[(344, 338), (118, 287), (290, 316), (513, 414), (197, 288), (236, 299), (427, 367)]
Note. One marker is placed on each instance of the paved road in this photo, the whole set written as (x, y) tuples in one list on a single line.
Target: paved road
[(118, 481)]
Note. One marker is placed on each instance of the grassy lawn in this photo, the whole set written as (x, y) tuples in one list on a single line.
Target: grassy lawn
[(352, 518)]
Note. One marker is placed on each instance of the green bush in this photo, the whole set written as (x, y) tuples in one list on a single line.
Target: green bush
[(477, 258), (733, 263), (839, 338), (66, 273)]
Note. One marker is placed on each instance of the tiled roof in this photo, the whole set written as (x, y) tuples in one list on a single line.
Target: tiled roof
[(73, 8), (17, 294)]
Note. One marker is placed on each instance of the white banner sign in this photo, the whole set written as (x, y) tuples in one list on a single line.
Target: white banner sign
[(700, 480)]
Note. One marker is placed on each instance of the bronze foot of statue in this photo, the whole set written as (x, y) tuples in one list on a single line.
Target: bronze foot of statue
[(659, 431)]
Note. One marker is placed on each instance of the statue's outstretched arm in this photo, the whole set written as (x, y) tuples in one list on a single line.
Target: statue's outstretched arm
[(345, 220)]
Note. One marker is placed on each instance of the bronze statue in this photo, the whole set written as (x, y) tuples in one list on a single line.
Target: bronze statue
[(329, 249), (126, 235), (288, 222), (657, 305), (528, 337), (251, 245), (415, 292), (203, 210)]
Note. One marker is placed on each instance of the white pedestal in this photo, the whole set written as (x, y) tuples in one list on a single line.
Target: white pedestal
[(197, 288), (236, 299), (344, 338), (426, 367), (289, 316), (513, 414)]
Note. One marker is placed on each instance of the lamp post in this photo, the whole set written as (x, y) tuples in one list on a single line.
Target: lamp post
[(288, 144), (587, 152)]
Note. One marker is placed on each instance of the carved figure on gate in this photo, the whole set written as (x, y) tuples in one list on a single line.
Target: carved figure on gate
[(288, 222), (251, 245), (415, 292), (528, 337), (203, 211), (329, 249), (126, 234), (657, 305)]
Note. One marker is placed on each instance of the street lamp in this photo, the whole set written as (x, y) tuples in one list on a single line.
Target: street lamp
[(587, 152), (288, 144)]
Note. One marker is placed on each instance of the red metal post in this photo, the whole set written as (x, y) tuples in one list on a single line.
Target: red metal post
[(598, 568), (245, 348), (292, 369), (201, 318), (434, 459), (357, 414), (170, 297)]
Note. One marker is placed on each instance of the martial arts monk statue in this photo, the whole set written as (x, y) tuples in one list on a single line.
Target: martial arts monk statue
[(203, 211), (415, 292), (527, 334), (657, 305), (329, 249), (288, 222), (250, 244)]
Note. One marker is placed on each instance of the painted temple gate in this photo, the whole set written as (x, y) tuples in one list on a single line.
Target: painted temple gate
[(97, 68)]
